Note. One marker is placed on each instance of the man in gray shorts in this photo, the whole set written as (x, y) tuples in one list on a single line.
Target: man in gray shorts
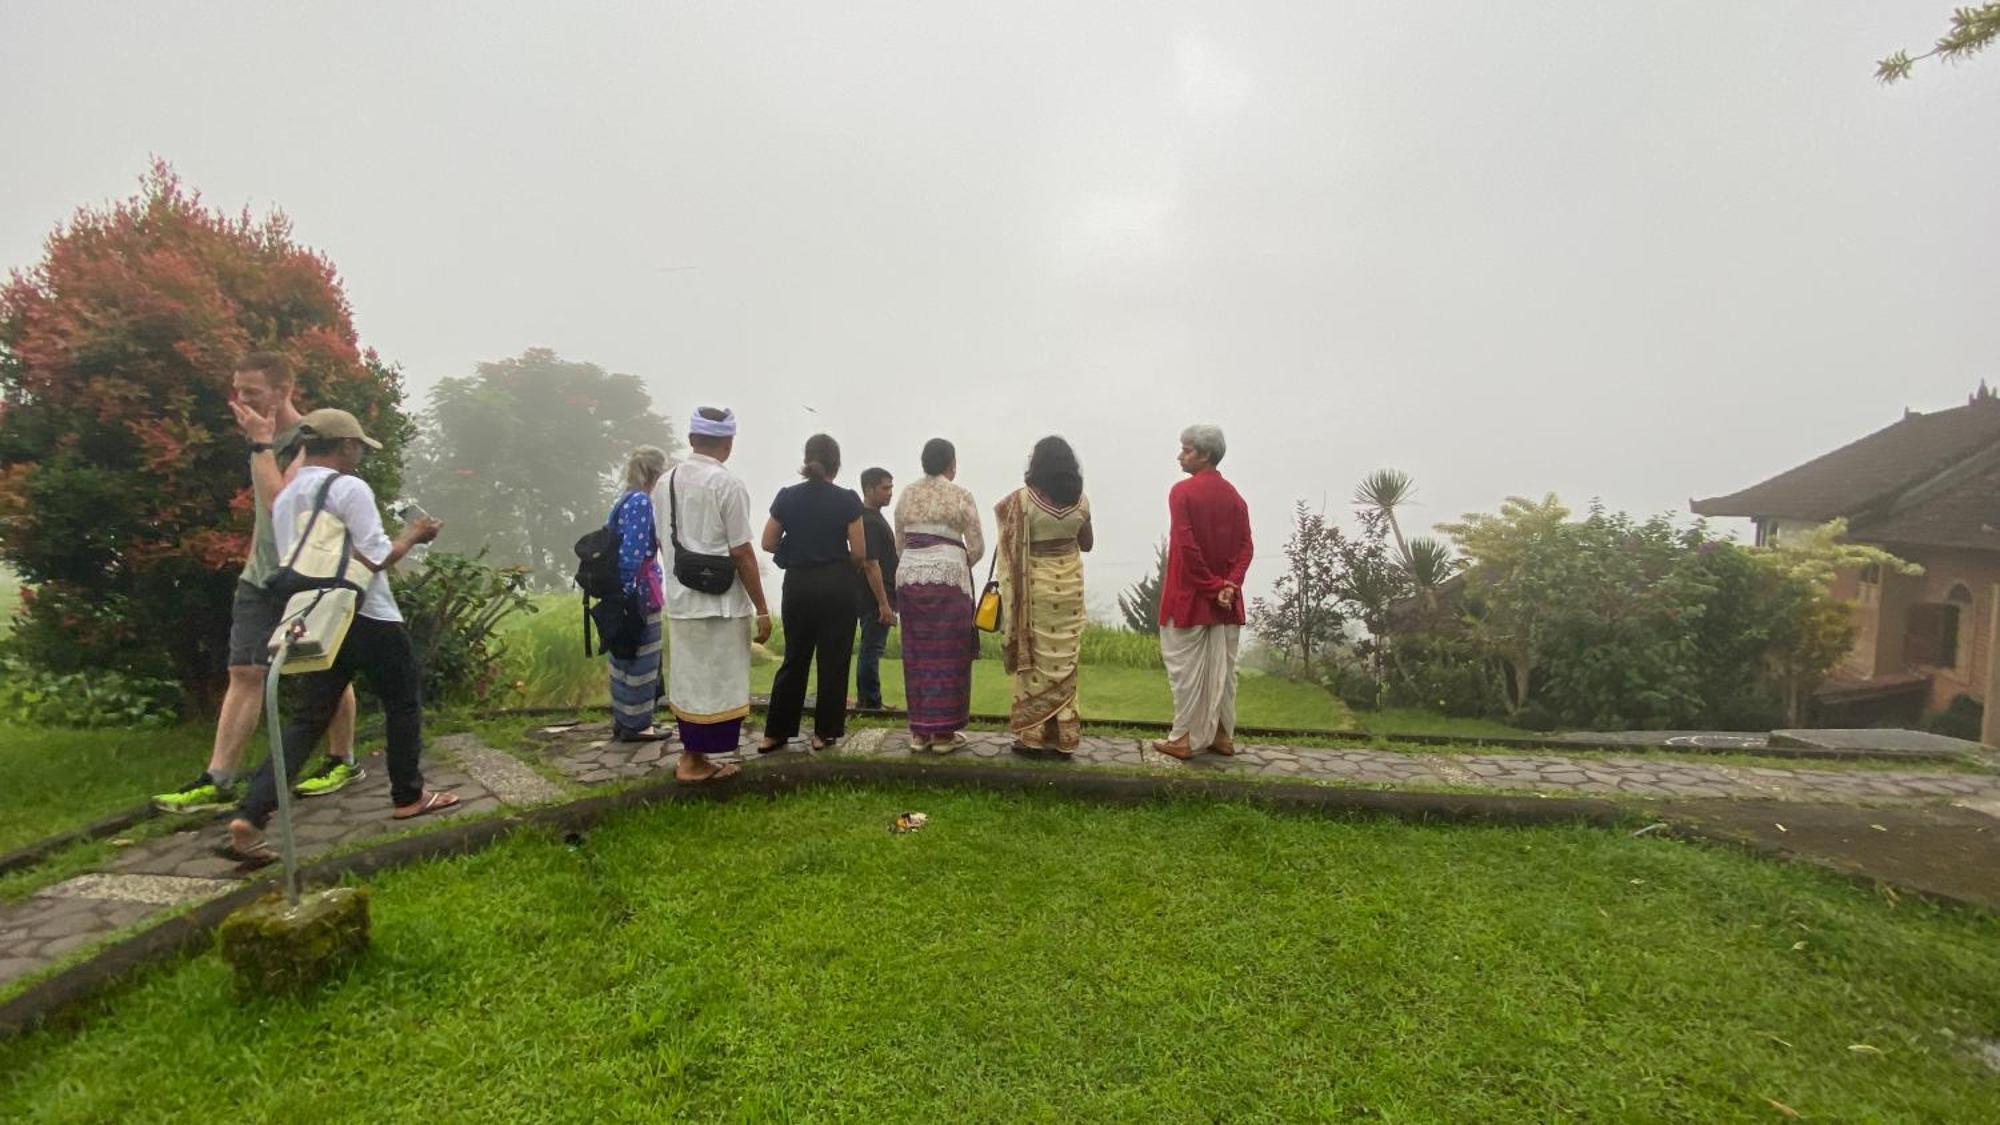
[(262, 401)]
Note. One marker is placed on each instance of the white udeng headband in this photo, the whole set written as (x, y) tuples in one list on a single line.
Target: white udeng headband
[(713, 427)]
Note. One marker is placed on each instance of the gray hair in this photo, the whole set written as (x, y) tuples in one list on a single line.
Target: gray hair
[(1207, 441), (645, 467)]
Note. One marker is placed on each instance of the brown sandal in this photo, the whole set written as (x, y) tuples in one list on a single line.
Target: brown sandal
[(434, 801), (715, 773)]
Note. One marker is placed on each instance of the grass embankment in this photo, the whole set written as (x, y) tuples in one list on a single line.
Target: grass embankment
[(1043, 960), (55, 779), (1122, 677)]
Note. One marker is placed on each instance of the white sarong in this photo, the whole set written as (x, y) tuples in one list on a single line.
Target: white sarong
[(1201, 668), (708, 668)]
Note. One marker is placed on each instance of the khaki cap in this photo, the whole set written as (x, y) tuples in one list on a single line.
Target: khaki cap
[(327, 422)]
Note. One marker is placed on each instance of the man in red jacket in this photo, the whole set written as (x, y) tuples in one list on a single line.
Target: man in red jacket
[(1201, 602)]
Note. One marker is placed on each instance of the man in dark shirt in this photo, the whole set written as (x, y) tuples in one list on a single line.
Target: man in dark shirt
[(875, 599)]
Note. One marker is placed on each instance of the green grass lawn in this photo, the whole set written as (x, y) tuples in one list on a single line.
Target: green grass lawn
[(1034, 959), (53, 779), (1109, 692), (1409, 720)]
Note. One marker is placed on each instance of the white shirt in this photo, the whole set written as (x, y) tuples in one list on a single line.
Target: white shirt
[(714, 518), (353, 501)]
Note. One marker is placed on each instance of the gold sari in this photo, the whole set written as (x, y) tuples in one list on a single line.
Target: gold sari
[(1041, 590)]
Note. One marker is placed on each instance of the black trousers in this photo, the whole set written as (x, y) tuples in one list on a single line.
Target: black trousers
[(380, 651), (818, 611)]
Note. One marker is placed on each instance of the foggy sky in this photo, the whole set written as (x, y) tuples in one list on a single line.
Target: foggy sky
[(1636, 251)]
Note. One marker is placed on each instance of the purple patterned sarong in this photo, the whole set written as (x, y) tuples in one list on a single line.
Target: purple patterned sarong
[(938, 645)]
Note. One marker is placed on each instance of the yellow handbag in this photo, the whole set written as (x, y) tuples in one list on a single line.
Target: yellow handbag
[(986, 618)]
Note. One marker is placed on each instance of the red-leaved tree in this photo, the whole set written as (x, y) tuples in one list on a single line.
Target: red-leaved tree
[(124, 483)]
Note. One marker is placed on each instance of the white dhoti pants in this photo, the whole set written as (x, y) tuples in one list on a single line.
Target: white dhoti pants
[(1201, 667)]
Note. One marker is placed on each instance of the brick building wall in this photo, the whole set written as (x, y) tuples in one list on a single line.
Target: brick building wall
[(1889, 610)]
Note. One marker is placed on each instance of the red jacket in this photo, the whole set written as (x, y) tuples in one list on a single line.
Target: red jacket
[(1207, 549)]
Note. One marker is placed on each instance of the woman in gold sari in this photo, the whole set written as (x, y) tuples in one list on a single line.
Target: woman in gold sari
[(1044, 528)]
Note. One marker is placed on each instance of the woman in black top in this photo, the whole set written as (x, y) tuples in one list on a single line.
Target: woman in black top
[(815, 536)]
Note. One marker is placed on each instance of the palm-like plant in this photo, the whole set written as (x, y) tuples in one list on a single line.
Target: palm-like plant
[(1385, 490), (1430, 563)]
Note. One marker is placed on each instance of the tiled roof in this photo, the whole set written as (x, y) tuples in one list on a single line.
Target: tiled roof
[(1966, 514), (1868, 475)]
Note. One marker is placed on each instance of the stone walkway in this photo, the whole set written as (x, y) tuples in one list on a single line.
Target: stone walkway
[(583, 753), (175, 870), (172, 871)]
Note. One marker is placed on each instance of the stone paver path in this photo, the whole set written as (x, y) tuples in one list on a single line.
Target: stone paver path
[(585, 753), (177, 869), (180, 868)]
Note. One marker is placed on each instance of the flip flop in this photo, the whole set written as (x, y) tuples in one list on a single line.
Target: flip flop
[(820, 745), (647, 735), (771, 748), (725, 770), (259, 854), (434, 801)]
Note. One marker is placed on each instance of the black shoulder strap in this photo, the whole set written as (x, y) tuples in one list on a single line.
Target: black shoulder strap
[(674, 513)]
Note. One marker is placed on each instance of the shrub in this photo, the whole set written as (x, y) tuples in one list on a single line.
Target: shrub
[(1445, 673), (29, 694), (1963, 718), (453, 606)]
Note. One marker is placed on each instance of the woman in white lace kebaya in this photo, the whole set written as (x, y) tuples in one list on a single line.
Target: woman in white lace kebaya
[(939, 542)]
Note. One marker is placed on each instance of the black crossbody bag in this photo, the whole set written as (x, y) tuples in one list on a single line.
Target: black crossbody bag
[(705, 574)]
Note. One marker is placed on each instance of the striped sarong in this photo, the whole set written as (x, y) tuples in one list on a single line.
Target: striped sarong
[(938, 646), (635, 683)]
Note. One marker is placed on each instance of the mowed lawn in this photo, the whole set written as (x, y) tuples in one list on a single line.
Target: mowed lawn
[(1109, 692), (53, 779), (1035, 959)]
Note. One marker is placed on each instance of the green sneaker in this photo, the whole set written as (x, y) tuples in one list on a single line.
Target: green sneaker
[(333, 776), (200, 795)]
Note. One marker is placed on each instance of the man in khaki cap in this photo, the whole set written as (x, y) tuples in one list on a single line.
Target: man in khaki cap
[(377, 645)]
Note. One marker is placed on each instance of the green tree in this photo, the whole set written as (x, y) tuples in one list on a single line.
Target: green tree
[(1972, 30), (1517, 562), (524, 456), (1816, 630), (1303, 614), (1140, 603), (124, 487)]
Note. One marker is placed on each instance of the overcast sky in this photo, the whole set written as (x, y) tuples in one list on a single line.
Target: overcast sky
[(1632, 250)]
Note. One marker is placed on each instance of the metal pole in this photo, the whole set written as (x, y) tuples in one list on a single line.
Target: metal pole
[(279, 774)]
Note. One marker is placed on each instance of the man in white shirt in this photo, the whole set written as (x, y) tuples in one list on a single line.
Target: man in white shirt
[(709, 635), (377, 645)]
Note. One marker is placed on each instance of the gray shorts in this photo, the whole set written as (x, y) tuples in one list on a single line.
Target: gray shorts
[(253, 614)]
